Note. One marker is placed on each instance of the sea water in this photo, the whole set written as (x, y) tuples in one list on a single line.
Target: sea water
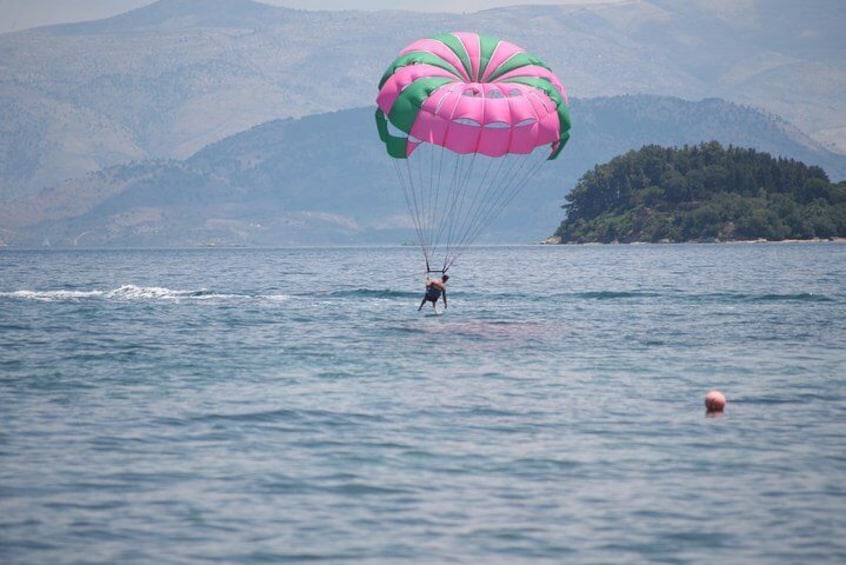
[(273, 405)]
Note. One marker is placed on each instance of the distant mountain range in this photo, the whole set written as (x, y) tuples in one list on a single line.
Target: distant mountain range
[(326, 179), (167, 80)]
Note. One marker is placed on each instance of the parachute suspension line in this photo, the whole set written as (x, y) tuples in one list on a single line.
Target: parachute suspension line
[(426, 190), (477, 185), (472, 199), (449, 214), (422, 195), (458, 205), (437, 155), (510, 180), (438, 193), (411, 200), (422, 180), (427, 194), (484, 187)]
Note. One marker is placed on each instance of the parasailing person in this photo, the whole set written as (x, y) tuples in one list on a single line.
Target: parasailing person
[(435, 289), (467, 119)]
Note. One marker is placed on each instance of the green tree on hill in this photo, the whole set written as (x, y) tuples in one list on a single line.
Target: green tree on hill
[(703, 193)]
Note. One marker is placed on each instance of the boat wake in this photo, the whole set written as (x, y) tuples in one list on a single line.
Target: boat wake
[(127, 292)]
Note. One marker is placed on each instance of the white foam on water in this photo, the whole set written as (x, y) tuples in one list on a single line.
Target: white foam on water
[(52, 295), (130, 292)]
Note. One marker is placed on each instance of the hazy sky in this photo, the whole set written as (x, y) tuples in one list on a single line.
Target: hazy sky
[(22, 14)]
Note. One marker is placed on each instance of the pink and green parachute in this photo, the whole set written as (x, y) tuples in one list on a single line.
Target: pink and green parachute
[(468, 119)]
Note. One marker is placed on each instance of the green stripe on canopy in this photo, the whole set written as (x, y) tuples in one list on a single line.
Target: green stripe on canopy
[(457, 47), (419, 57), (515, 62), (396, 146), (488, 46), (408, 103)]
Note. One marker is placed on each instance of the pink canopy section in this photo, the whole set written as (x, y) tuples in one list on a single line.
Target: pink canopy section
[(489, 97), (487, 119)]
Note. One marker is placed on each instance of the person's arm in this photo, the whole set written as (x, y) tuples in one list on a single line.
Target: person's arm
[(444, 294)]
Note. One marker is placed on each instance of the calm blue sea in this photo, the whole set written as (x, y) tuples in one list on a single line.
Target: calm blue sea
[(291, 405)]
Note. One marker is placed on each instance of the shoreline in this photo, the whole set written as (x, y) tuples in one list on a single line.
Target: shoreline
[(557, 241)]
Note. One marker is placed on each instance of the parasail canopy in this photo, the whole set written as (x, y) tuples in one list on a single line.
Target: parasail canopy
[(468, 119)]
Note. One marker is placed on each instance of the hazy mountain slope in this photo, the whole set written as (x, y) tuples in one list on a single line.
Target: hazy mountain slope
[(326, 179), (165, 80)]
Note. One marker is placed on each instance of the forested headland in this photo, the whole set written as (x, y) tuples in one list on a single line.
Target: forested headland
[(702, 193)]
